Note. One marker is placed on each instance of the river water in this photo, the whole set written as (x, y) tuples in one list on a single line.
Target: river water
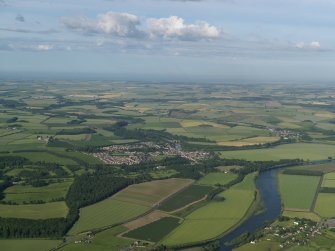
[(266, 183)]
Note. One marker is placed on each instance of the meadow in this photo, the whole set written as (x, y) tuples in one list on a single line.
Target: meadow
[(304, 151), (103, 241), (218, 178), (298, 191), (325, 205), (25, 193), (34, 211), (106, 213), (28, 244)]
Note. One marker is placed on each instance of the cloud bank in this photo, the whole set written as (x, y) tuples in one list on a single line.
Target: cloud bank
[(131, 26)]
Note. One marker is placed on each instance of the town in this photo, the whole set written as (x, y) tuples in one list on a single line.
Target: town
[(131, 154)]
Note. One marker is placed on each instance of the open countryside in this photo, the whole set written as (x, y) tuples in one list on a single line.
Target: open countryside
[(136, 168)]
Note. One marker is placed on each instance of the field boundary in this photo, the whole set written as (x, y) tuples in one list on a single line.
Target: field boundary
[(317, 193)]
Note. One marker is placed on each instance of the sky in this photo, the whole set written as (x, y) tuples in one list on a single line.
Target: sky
[(169, 40)]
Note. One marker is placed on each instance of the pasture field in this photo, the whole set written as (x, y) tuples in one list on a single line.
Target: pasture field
[(218, 178), (297, 191), (328, 183), (26, 193), (250, 141), (304, 151), (154, 231), (328, 167), (329, 176), (216, 217), (45, 157), (28, 244), (183, 198), (103, 241), (36, 211), (325, 205), (302, 214), (161, 174), (151, 193), (260, 245), (105, 213)]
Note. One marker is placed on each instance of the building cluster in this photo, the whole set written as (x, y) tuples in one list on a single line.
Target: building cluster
[(298, 234), (131, 154), (285, 134)]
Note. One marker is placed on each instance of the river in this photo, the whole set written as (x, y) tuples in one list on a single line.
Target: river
[(266, 183)]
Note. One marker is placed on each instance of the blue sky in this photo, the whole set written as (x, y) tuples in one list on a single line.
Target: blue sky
[(199, 40)]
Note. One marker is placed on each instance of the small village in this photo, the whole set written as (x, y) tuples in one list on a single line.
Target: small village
[(285, 134), (297, 233), (131, 154)]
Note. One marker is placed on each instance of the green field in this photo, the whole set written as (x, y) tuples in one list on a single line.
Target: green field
[(38, 211), (329, 180), (28, 244), (215, 218), (46, 157), (325, 205), (154, 231), (217, 178), (260, 246), (328, 183), (104, 241), (290, 151), (21, 193), (302, 215), (185, 197), (298, 191), (151, 193), (329, 176), (105, 213)]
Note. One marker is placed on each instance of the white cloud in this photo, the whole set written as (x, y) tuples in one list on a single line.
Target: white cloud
[(315, 45), (175, 27), (311, 45), (112, 23), (300, 45), (79, 24), (43, 47), (120, 24), (129, 25)]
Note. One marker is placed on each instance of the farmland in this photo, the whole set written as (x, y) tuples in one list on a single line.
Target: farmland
[(154, 231), (325, 204), (20, 194), (127, 204), (174, 154), (38, 211), (215, 218), (151, 193), (104, 241), (291, 151), (191, 194), (212, 179), (298, 191), (28, 244), (105, 213)]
